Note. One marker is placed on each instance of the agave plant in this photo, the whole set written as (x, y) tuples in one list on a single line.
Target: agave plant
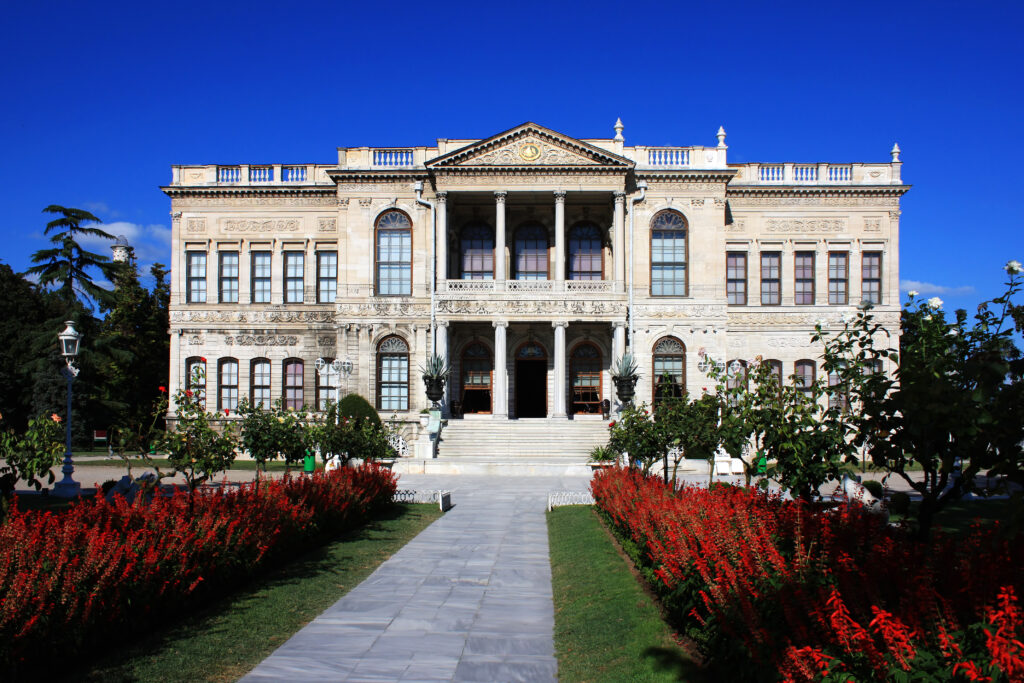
[(436, 368), (625, 367)]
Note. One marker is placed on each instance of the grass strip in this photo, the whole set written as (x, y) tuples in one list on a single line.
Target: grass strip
[(248, 465), (606, 627), (233, 635)]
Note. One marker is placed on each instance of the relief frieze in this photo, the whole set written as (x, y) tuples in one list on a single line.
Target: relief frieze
[(814, 201), (269, 316), (260, 224), (382, 309), (806, 225), (217, 202), (195, 225), (445, 180), (261, 340), (530, 150), (327, 225), (515, 307)]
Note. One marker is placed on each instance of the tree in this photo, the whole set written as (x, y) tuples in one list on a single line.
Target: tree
[(67, 263), (955, 403), (692, 426)]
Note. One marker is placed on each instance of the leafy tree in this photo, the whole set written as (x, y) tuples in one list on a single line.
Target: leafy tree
[(342, 437), (355, 406), (690, 425), (67, 263), (32, 454), (271, 433), (636, 433), (955, 404)]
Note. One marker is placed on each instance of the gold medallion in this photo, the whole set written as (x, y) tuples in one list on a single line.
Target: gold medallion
[(529, 152)]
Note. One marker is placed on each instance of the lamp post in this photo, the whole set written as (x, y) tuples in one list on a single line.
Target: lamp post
[(334, 368), (69, 338)]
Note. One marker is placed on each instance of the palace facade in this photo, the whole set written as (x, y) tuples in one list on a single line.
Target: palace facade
[(531, 260)]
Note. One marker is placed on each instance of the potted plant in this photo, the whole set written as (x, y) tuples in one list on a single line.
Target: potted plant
[(602, 457), (435, 372), (625, 376)]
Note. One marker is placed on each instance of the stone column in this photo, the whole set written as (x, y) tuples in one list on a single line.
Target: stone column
[(619, 243), (618, 340), (441, 238), (560, 235), (499, 238), (367, 362), (441, 349), (559, 402), (500, 408)]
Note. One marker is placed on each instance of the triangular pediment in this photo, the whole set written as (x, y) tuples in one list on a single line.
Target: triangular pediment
[(532, 146)]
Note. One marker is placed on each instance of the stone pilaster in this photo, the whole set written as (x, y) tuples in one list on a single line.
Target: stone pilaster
[(500, 388), (559, 235), (499, 237), (560, 390)]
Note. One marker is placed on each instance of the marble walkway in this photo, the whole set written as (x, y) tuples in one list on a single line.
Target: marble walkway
[(469, 599)]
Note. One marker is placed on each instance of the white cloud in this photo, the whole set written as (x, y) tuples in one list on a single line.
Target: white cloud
[(931, 289)]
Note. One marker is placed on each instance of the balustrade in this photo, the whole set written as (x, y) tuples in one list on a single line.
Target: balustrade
[(530, 286), (805, 173), (392, 157), (840, 174), (293, 174), (668, 156), (229, 174), (771, 173), (261, 174)]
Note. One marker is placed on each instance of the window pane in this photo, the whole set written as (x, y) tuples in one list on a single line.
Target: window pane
[(668, 255), (294, 267), (229, 277), (261, 277), (327, 276), (394, 254), (195, 275), (771, 286)]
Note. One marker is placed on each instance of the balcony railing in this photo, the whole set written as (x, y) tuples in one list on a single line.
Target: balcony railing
[(668, 156), (293, 174), (520, 287), (817, 174), (229, 174), (261, 174), (392, 157)]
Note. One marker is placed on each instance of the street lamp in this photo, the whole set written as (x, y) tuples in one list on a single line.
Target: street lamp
[(69, 338), (333, 369)]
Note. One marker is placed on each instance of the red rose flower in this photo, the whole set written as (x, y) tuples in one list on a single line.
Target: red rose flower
[(202, 359), (188, 392), (162, 389), (226, 411), (612, 423)]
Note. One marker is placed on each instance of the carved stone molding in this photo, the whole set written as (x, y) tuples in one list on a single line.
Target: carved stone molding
[(327, 225), (814, 201), (442, 197), (365, 202), (872, 225), (523, 179), (719, 203), (343, 201), (390, 188), (195, 340), (261, 340), (530, 150), (530, 308), (499, 197), (738, 225), (806, 225), (807, 319), (788, 342), (377, 309), (267, 225), (895, 215), (195, 226), (217, 202), (272, 316), (680, 311), (559, 196), (696, 201), (326, 340)]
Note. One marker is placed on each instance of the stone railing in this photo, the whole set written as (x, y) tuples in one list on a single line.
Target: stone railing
[(668, 156), (604, 287), (529, 285), (817, 174), (563, 498), (390, 158), (251, 174)]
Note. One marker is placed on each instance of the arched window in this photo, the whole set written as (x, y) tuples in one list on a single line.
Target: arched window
[(668, 254), (394, 254), (259, 383), (477, 365), (669, 364), (326, 383), (585, 378), (839, 392), (195, 378), (585, 262), (776, 370), (392, 374), (531, 252), (476, 252), (293, 377), (805, 372), (227, 384)]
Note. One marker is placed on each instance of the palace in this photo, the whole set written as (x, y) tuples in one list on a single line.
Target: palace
[(531, 260)]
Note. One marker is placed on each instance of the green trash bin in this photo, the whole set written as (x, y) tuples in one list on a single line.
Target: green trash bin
[(309, 463)]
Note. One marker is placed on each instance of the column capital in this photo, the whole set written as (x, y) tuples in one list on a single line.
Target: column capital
[(619, 323), (499, 196), (442, 197), (620, 197), (559, 195), (499, 323), (441, 323), (559, 323)]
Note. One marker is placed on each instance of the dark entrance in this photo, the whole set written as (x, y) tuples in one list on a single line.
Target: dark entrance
[(531, 381)]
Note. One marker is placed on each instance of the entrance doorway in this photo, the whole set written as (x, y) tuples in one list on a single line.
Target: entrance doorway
[(531, 381), (477, 367), (585, 378)]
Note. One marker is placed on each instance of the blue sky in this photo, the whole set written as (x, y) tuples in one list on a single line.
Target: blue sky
[(101, 98)]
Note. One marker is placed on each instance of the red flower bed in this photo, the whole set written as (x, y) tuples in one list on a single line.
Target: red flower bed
[(775, 590), (82, 575)]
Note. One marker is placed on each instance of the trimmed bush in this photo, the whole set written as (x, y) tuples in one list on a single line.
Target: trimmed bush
[(355, 406)]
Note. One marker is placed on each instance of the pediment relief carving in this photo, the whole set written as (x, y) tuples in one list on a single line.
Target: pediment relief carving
[(529, 145)]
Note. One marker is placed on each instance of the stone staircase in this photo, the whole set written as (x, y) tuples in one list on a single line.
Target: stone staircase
[(541, 446)]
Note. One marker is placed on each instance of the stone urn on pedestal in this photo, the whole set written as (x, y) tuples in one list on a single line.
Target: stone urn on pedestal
[(625, 376), (435, 372)]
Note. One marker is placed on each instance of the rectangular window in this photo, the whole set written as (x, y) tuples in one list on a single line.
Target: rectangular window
[(736, 277), (668, 263), (805, 372), (294, 265), (260, 378), (871, 277), (327, 276), (228, 383), (394, 381), (394, 262), (195, 276), (228, 277), (771, 272), (293, 398), (261, 277), (803, 278), (326, 380), (838, 277)]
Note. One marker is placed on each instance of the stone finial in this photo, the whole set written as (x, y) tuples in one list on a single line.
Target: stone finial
[(120, 248), (618, 130), (895, 152), (721, 136)]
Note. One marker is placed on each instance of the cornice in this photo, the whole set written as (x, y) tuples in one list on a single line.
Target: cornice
[(690, 175), (247, 191), (816, 191), (521, 170), (376, 175)]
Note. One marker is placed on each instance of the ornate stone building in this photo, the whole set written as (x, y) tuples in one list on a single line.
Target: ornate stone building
[(531, 259)]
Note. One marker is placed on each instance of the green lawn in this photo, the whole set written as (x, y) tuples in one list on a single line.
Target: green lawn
[(234, 634), (960, 515), (606, 627), (249, 465)]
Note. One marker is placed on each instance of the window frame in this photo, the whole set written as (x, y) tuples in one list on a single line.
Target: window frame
[(803, 384), (404, 394), (223, 279), (320, 386), (569, 252), (199, 390), (657, 356), (483, 227), (289, 403), (321, 279), (288, 280), (731, 281), (777, 280), (801, 269), (876, 298), (227, 393), (255, 279), (377, 263), (531, 225), (685, 264), (574, 362), (253, 386), (190, 279), (834, 282)]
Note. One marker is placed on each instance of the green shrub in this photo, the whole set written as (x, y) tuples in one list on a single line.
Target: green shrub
[(602, 454), (875, 488), (355, 406)]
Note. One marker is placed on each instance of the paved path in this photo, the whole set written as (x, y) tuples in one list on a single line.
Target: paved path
[(469, 599)]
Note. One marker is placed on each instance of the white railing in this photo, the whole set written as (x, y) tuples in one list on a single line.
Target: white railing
[(840, 174), (293, 174), (589, 285), (261, 174), (392, 157), (398, 445), (229, 174), (771, 173), (562, 498), (668, 156), (468, 286), (805, 173), (530, 285)]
